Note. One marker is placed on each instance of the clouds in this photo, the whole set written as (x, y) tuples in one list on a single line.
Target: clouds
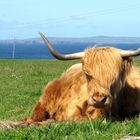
[(78, 18), (8, 24)]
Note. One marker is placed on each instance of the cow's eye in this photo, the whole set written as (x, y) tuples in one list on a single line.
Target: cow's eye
[(89, 77)]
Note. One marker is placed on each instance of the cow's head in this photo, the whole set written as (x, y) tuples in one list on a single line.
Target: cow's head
[(105, 69)]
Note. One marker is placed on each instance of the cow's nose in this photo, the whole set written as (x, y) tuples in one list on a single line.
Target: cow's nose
[(99, 98)]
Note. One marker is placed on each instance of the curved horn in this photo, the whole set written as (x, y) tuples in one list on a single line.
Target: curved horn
[(130, 53), (61, 56)]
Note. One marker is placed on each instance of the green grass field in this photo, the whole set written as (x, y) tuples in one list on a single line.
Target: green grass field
[(21, 84)]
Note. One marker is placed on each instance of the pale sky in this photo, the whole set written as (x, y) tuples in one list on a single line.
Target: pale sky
[(22, 19)]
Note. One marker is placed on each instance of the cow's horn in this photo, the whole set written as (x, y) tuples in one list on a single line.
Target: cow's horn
[(130, 53), (61, 56)]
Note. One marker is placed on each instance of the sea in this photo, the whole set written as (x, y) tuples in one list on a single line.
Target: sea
[(40, 51)]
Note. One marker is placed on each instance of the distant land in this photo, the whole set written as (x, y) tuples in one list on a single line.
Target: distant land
[(92, 40), (36, 49)]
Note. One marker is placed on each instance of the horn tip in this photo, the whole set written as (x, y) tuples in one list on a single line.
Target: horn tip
[(40, 33)]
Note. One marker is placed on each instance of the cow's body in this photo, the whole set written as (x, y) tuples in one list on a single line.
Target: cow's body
[(104, 76), (65, 98), (128, 99)]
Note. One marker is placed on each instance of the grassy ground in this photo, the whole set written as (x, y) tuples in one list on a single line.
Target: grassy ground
[(21, 84)]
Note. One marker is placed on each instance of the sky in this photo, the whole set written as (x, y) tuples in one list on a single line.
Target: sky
[(22, 19)]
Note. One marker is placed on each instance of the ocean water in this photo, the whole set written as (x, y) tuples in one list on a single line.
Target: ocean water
[(40, 51)]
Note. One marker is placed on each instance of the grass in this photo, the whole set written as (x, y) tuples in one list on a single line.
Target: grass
[(21, 84)]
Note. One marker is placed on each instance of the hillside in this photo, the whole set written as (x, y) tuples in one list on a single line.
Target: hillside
[(97, 40)]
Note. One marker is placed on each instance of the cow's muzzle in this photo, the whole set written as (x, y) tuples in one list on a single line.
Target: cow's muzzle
[(100, 101)]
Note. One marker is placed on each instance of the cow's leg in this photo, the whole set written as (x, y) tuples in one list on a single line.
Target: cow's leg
[(39, 114), (47, 100)]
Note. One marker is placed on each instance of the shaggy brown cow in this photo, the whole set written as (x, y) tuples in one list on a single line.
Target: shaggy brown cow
[(105, 82)]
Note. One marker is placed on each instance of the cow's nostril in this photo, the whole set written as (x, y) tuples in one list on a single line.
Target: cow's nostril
[(104, 100), (94, 99)]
